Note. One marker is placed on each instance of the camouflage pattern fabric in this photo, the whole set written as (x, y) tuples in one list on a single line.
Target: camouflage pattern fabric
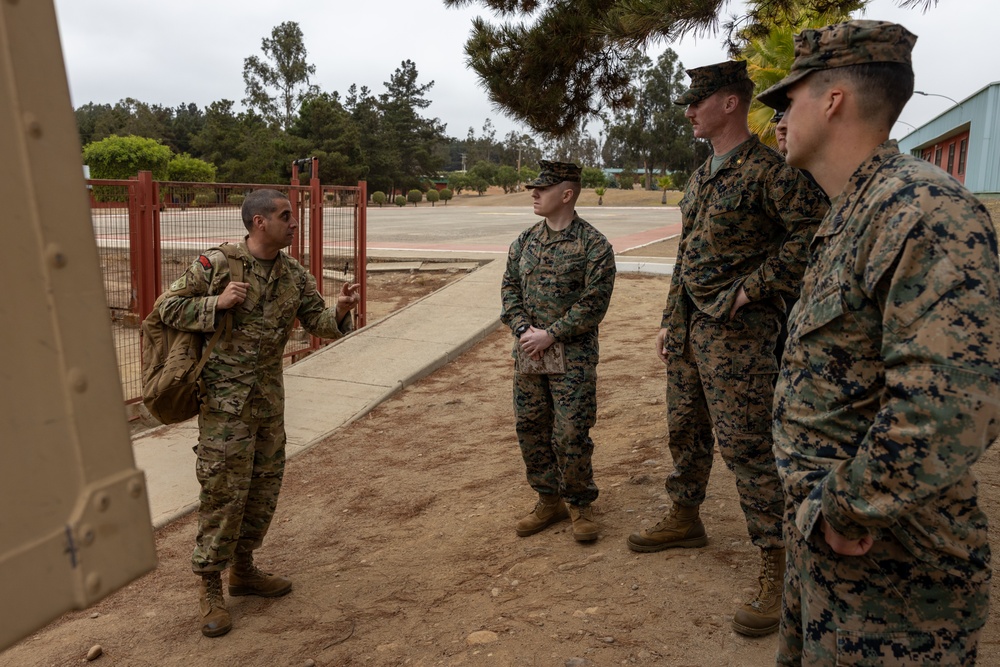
[(859, 42), (554, 173), (883, 608), (261, 327), (710, 78), (720, 390), (241, 425), (553, 417), (240, 466), (889, 391), (561, 282), (748, 225)]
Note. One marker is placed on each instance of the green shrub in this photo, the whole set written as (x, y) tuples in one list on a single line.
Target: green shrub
[(378, 197), (445, 196), (433, 195), (414, 196), (400, 200), (204, 198), (592, 177), (189, 169), (236, 199)]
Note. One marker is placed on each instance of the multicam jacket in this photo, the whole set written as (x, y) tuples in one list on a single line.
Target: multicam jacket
[(890, 385), (560, 282), (252, 359), (748, 225)]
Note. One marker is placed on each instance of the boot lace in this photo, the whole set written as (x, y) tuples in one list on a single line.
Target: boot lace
[(768, 588), (249, 570), (213, 591)]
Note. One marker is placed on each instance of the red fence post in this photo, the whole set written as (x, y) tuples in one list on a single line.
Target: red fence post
[(134, 246), (149, 260), (316, 236), (316, 226), (143, 244), (293, 199), (361, 251), (155, 247)]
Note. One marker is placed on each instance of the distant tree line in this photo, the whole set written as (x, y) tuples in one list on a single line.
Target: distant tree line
[(383, 139)]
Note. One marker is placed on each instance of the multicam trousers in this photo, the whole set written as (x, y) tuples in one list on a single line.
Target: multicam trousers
[(240, 466), (884, 608), (719, 389), (554, 415)]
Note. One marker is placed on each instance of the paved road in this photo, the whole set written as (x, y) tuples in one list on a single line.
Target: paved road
[(492, 228), (469, 228)]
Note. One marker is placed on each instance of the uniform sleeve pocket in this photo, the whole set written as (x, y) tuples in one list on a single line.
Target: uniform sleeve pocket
[(913, 293)]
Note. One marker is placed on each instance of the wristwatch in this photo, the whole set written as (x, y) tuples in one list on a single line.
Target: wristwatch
[(521, 329)]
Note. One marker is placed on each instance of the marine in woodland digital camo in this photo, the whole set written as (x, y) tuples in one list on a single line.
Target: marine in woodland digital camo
[(556, 290), (890, 385), (747, 222)]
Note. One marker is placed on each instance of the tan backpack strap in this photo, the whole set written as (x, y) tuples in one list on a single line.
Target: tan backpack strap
[(236, 274), (211, 346)]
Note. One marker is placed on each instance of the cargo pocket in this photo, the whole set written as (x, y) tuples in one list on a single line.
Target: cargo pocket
[(865, 649), (755, 380), (210, 468)]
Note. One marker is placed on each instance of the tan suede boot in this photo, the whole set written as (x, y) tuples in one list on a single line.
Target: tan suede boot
[(246, 579), (548, 510), (681, 528), (762, 615), (585, 529), (215, 620)]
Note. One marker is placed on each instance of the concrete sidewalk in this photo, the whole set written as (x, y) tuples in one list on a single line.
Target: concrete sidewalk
[(350, 377)]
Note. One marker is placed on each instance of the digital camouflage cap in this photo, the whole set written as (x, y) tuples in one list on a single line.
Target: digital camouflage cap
[(706, 80), (841, 45), (553, 173)]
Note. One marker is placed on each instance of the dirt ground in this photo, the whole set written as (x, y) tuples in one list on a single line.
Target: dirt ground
[(398, 534)]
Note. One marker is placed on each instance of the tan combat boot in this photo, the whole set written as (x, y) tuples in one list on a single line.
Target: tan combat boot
[(585, 529), (681, 528), (246, 579), (762, 615), (215, 620), (548, 510)]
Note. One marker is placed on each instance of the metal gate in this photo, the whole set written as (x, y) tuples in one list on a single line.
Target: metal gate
[(148, 232)]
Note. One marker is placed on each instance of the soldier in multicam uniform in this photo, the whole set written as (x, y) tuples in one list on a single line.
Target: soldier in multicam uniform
[(747, 222), (241, 443), (890, 386), (556, 290)]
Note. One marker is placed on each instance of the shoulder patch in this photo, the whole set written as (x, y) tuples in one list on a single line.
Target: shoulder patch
[(205, 262), (179, 284)]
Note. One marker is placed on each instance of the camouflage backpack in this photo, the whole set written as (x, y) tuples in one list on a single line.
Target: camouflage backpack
[(172, 359)]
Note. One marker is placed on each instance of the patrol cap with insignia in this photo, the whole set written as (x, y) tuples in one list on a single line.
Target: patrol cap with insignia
[(841, 45), (553, 173), (706, 80)]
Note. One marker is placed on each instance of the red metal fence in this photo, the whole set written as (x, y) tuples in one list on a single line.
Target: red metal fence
[(148, 232)]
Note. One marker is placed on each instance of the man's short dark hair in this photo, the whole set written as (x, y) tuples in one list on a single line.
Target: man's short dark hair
[(743, 90), (883, 88), (260, 202)]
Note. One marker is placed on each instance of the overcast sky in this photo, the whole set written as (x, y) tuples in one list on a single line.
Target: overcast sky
[(193, 50)]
